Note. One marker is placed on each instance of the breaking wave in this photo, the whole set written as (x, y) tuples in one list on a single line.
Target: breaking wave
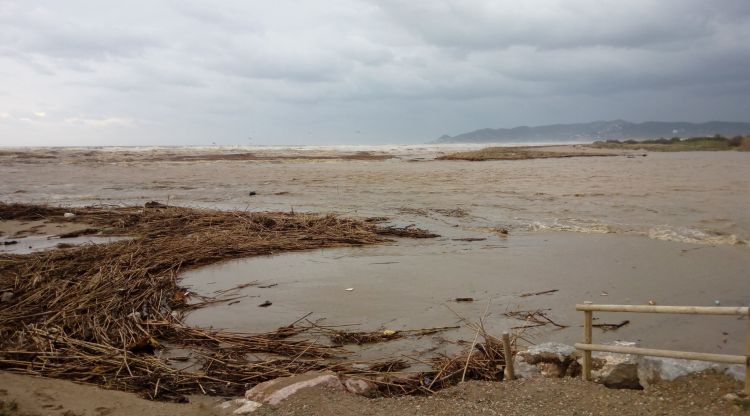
[(693, 236), (662, 232), (571, 225)]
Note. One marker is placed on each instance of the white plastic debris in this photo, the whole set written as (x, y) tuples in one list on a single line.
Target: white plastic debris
[(69, 215), (349, 289)]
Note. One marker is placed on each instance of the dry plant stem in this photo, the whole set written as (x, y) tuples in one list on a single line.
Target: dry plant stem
[(98, 313), (101, 314)]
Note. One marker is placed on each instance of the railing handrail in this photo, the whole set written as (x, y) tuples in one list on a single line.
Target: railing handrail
[(682, 355), (587, 346), (694, 310)]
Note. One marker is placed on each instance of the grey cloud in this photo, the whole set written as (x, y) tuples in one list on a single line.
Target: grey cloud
[(34, 31), (477, 24), (288, 72)]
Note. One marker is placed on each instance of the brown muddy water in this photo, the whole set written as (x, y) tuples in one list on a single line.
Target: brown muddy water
[(666, 227)]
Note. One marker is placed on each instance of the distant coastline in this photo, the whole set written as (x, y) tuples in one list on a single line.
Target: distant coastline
[(599, 131)]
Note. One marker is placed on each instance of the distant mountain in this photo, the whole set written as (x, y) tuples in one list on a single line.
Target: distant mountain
[(599, 130)]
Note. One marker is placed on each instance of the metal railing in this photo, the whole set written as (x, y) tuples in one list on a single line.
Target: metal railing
[(588, 346)]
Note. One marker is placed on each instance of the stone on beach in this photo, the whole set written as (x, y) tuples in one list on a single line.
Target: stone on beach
[(616, 370), (654, 369), (361, 387), (273, 392), (549, 359), (240, 406)]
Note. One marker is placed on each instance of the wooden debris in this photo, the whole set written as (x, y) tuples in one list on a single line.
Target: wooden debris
[(83, 313), (339, 337), (544, 292), (533, 318), (611, 327)]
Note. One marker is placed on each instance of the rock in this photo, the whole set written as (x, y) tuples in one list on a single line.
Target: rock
[(736, 371), (248, 407), (654, 369), (730, 396), (522, 369), (239, 406), (549, 351), (275, 391), (740, 400), (618, 371), (361, 387), (6, 297), (550, 359)]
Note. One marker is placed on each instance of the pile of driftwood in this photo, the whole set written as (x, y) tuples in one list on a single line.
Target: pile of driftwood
[(103, 313)]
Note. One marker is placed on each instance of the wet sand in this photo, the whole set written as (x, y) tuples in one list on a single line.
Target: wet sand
[(664, 227)]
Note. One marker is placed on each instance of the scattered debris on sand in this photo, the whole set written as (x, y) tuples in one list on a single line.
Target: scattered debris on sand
[(100, 313), (97, 313)]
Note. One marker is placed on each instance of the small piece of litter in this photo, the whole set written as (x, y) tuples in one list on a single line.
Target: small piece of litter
[(69, 215), (389, 332), (349, 289), (604, 294), (265, 304), (464, 299)]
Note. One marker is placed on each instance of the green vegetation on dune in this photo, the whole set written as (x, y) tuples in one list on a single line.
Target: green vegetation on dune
[(676, 144), (519, 153)]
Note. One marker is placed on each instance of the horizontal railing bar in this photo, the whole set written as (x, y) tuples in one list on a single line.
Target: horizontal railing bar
[(685, 355), (695, 310)]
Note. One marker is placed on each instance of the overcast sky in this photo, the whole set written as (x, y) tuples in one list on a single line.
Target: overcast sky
[(356, 71)]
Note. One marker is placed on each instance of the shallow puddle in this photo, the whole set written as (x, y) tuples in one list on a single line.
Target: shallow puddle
[(414, 284), (30, 244), (23, 237)]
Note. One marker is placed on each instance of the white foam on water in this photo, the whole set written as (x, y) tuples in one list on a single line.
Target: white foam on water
[(663, 232), (692, 236), (571, 225)]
